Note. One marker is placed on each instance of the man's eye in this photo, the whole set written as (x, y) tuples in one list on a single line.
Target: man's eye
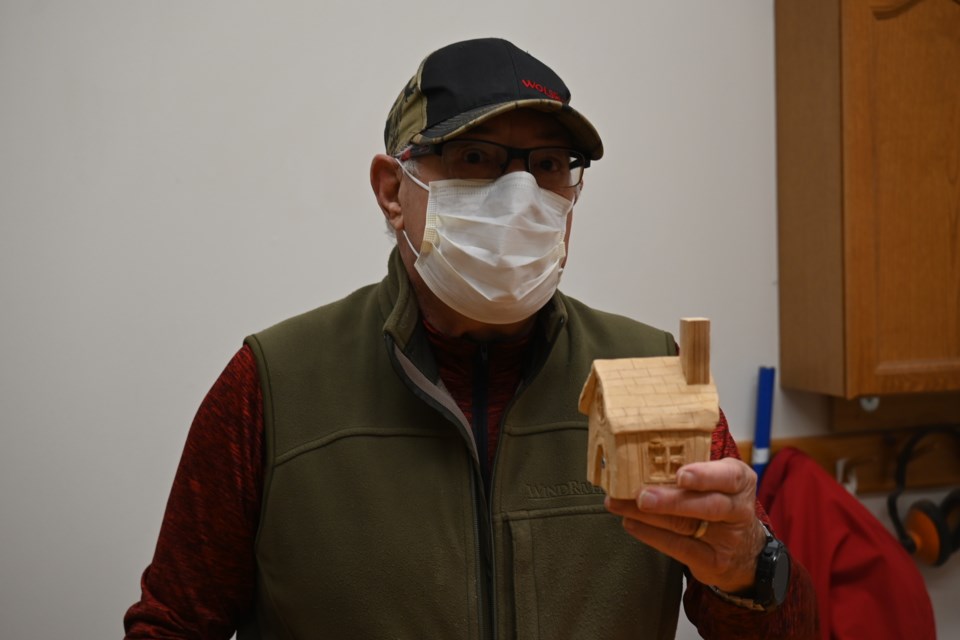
[(549, 163), (474, 156)]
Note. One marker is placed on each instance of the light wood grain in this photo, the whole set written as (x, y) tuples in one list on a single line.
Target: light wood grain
[(695, 350)]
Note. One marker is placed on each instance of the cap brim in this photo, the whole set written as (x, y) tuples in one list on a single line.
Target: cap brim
[(585, 136)]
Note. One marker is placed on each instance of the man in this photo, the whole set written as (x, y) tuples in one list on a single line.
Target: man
[(408, 462)]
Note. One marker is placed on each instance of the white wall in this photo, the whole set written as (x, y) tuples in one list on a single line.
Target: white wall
[(177, 174)]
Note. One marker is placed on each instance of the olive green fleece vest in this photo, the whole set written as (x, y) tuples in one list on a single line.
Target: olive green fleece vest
[(374, 521)]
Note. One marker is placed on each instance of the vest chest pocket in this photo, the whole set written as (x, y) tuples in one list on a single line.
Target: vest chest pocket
[(574, 573), (371, 535)]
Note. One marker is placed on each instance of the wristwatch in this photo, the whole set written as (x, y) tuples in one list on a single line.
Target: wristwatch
[(772, 578)]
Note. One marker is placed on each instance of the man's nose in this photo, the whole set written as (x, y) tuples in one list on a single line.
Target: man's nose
[(516, 164)]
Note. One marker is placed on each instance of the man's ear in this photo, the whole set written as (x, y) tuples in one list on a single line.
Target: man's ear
[(385, 181)]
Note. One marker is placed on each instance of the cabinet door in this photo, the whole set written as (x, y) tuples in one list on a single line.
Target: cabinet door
[(901, 194), (810, 196)]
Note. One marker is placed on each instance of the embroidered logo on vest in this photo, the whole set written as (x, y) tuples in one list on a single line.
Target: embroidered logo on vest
[(572, 488)]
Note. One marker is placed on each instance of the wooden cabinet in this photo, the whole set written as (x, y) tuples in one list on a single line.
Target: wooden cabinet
[(868, 137)]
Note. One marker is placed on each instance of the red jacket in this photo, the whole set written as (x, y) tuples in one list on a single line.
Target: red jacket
[(867, 585)]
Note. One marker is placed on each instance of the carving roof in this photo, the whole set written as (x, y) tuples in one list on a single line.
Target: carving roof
[(650, 394)]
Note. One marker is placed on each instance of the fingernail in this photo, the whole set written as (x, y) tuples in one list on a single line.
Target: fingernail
[(647, 500), (681, 478)]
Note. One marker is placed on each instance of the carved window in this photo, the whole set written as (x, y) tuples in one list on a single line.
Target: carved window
[(664, 458)]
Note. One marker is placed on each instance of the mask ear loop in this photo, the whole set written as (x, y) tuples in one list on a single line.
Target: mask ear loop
[(573, 203), (415, 252), (422, 186), (416, 180)]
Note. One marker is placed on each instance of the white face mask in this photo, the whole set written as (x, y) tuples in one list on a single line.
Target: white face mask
[(492, 250)]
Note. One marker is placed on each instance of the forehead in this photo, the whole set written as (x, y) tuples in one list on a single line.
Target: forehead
[(522, 128)]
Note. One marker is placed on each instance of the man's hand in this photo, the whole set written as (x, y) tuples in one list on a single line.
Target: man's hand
[(721, 493)]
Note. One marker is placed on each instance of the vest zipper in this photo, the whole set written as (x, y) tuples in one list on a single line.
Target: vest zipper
[(480, 409), (528, 375), (481, 384), (482, 534), (484, 549)]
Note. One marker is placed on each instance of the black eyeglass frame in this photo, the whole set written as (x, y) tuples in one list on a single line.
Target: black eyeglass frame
[(513, 153)]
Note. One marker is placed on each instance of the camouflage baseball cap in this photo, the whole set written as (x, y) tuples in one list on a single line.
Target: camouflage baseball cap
[(466, 83)]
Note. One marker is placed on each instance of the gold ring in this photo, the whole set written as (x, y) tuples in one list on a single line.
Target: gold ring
[(702, 529)]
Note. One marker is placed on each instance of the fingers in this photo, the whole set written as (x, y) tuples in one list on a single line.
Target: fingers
[(676, 524), (720, 493), (681, 505), (685, 548), (689, 504), (728, 475)]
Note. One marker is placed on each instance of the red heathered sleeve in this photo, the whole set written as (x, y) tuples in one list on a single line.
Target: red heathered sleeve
[(201, 580), (717, 619)]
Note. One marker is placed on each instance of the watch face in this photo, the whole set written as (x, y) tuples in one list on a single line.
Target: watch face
[(773, 574), (781, 576)]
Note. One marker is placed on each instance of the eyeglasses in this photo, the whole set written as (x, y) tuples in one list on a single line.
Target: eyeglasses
[(553, 167)]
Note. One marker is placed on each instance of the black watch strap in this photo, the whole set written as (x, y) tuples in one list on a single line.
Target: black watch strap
[(771, 581)]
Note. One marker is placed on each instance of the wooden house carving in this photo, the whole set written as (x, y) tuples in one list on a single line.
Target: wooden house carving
[(650, 416)]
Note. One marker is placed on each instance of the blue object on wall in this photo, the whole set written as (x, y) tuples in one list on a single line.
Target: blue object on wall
[(761, 436)]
